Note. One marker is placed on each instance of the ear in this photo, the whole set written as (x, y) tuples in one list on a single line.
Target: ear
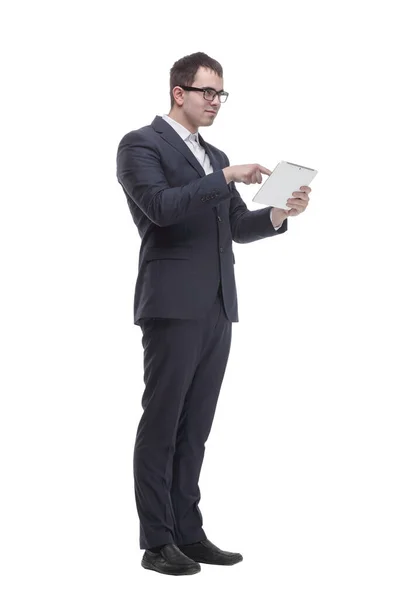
[(178, 94)]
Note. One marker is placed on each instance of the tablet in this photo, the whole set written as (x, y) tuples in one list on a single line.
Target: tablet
[(285, 179)]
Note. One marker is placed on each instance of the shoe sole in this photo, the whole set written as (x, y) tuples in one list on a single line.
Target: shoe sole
[(220, 564), (190, 570)]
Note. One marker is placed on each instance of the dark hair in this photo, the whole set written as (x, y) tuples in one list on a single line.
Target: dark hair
[(184, 70)]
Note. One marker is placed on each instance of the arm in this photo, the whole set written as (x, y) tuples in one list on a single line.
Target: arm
[(140, 173), (250, 225)]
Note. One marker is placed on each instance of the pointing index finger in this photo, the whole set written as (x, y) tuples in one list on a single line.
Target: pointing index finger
[(264, 170)]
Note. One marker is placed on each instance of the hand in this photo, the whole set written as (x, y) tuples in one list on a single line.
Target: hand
[(297, 204), (245, 173)]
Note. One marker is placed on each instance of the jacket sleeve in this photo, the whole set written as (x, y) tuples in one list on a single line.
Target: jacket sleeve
[(140, 173), (250, 225)]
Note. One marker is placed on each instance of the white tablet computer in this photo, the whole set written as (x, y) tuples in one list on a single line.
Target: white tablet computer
[(285, 179)]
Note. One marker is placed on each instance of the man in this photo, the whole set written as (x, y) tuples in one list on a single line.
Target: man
[(182, 196)]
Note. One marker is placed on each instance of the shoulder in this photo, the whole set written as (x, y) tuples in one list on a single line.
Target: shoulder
[(136, 135)]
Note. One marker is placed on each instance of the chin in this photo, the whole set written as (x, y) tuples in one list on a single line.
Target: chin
[(209, 119)]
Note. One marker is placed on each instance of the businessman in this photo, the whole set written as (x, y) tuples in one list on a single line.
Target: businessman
[(182, 197)]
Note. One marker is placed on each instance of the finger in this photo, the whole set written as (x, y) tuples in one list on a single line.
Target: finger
[(305, 188), (264, 170), (293, 212), (297, 203), (298, 194)]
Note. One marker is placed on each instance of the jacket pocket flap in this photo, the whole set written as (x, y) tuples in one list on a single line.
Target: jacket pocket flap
[(177, 252)]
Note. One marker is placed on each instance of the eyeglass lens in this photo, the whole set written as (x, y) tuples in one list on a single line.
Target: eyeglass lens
[(210, 95)]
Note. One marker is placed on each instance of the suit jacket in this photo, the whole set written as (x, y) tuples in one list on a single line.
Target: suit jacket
[(187, 221)]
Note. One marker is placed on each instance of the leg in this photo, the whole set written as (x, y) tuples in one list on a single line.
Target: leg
[(172, 349), (195, 425)]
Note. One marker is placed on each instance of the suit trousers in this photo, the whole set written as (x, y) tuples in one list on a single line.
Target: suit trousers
[(184, 366)]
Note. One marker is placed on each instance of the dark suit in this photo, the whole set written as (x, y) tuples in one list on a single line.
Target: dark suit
[(185, 302)]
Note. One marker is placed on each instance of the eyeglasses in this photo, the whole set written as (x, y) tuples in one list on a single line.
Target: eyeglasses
[(208, 93)]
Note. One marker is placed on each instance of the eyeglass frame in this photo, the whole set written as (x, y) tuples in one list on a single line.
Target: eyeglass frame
[(204, 89)]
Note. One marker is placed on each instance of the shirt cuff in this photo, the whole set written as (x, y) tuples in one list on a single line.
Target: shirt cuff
[(276, 228)]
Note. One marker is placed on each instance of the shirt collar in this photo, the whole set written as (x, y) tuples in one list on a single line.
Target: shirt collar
[(184, 133)]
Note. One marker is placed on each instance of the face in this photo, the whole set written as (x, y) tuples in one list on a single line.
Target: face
[(191, 109)]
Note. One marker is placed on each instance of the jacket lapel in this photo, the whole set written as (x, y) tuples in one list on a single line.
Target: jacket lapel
[(170, 136), (213, 157)]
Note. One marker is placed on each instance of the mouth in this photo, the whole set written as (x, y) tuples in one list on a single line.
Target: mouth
[(213, 112)]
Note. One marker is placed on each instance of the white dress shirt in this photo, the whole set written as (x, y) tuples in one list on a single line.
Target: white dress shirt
[(192, 142)]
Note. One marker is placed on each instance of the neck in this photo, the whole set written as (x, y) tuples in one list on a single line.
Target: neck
[(182, 120)]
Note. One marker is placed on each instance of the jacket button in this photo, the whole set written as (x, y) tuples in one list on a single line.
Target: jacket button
[(219, 219), (221, 249)]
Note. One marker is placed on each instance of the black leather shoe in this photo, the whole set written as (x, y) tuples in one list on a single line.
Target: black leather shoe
[(170, 561), (206, 552)]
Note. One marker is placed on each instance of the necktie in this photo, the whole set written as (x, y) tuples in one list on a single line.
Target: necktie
[(197, 150)]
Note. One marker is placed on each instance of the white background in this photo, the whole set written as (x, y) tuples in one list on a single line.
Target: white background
[(301, 472)]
